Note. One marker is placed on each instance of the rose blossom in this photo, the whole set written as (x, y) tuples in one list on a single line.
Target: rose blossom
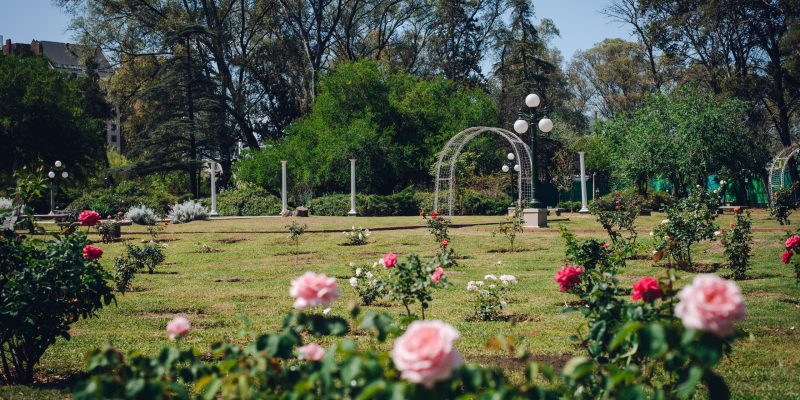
[(312, 290), (444, 243), (710, 304), (434, 215), (437, 274), (311, 352), (786, 256), (647, 289), (606, 246), (92, 253), (793, 241), (89, 218), (568, 277), (390, 260), (178, 327), (422, 213), (425, 353)]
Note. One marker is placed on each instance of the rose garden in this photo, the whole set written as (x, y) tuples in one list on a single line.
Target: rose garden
[(316, 199)]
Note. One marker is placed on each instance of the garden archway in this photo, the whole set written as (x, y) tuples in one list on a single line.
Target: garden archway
[(777, 169), (446, 165)]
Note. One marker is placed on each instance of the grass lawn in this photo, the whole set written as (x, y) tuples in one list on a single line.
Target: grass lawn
[(249, 275)]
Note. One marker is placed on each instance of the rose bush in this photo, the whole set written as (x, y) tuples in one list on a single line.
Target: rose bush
[(491, 296)]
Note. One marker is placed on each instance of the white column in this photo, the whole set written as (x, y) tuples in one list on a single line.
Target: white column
[(352, 188), (284, 201), (213, 167), (584, 205)]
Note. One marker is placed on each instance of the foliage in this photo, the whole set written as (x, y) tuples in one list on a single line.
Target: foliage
[(370, 281), (392, 122), (45, 286), (491, 296), (782, 204), (437, 226), (109, 230), (684, 136), (411, 282), (247, 199), (562, 174), (142, 215), (570, 206), (792, 246), (511, 226), (29, 188), (587, 253), (689, 221), (617, 213), (187, 211), (357, 237), (738, 242), (135, 260), (400, 203), (123, 196), (41, 107), (295, 231)]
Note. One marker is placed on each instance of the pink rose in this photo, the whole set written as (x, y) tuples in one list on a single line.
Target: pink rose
[(606, 246), (313, 289), (792, 242), (647, 289), (786, 256), (568, 277), (425, 353), (311, 352), (390, 260), (92, 253), (710, 304), (178, 327), (438, 273), (89, 218)]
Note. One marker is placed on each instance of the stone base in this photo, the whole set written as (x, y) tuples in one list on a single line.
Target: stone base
[(352, 213), (583, 211), (535, 217)]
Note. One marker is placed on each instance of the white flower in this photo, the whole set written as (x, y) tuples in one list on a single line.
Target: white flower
[(717, 233), (326, 311), (381, 262), (664, 222), (492, 286), (652, 233), (368, 275), (490, 277), (376, 263), (499, 262), (654, 252), (471, 286), (503, 304), (354, 281), (358, 271), (508, 279), (352, 264)]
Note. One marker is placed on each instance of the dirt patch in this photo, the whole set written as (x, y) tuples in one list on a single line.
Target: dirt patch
[(522, 250), (43, 380), (698, 267), (168, 315), (231, 280), (292, 253), (507, 362), (164, 240), (642, 257), (787, 331), (352, 244), (231, 240), (163, 273)]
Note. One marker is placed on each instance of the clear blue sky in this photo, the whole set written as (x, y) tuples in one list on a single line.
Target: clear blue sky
[(579, 21)]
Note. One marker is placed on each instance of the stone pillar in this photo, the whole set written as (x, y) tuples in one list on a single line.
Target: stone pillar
[(284, 201), (353, 211), (213, 168), (584, 205)]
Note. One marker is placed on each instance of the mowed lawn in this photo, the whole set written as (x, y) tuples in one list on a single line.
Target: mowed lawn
[(248, 274)]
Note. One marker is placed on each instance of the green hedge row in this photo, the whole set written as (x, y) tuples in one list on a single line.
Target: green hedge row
[(109, 201), (247, 199), (406, 202)]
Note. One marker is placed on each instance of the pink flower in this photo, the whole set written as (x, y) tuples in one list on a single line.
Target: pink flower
[(178, 327), (786, 256), (92, 253), (434, 215), (425, 353), (710, 304), (792, 242), (313, 289), (390, 260), (647, 289), (444, 243), (438, 273), (568, 277), (311, 352), (89, 218), (606, 246)]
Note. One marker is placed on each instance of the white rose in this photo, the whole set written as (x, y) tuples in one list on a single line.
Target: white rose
[(490, 277), (353, 281), (358, 271), (369, 275)]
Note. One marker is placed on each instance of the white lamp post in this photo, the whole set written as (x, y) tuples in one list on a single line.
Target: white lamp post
[(584, 206), (352, 211), (284, 200), (212, 169)]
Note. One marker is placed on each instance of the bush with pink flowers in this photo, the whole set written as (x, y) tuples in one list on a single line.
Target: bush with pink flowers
[(412, 281), (792, 245)]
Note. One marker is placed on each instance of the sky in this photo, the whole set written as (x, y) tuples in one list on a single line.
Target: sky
[(579, 21)]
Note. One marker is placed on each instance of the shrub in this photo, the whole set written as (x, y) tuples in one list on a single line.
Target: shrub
[(135, 260), (110, 201), (412, 281), (187, 211), (371, 205), (737, 241), (570, 206), (370, 281), (490, 296), (142, 215), (45, 286), (473, 203), (247, 199), (689, 221), (658, 200), (792, 245), (511, 226), (617, 213), (357, 237), (782, 204), (109, 230)]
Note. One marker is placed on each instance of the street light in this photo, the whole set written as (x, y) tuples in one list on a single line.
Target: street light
[(523, 125), (505, 168), (52, 175), (511, 156)]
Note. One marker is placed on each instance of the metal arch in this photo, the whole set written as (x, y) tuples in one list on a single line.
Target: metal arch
[(776, 169), (446, 164)]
